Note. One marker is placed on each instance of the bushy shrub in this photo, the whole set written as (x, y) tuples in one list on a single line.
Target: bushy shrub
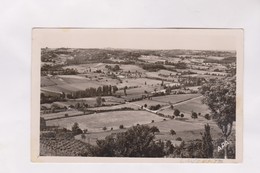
[(207, 116), (178, 139), (156, 107), (76, 130), (176, 112), (194, 115), (172, 132)]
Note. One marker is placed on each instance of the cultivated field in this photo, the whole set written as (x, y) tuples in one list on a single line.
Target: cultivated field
[(120, 106), (72, 83), (139, 82), (175, 98), (95, 122), (195, 105), (132, 68), (186, 107), (186, 130), (82, 68), (61, 114)]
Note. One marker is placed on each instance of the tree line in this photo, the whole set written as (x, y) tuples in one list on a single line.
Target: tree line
[(105, 90)]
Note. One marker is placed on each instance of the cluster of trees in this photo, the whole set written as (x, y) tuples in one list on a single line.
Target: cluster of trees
[(227, 60), (70, 71), (178, 65), (155, 107), (207, 116), (115, 68), (105, 90), (188, 72), (177, 113), (48, 56), (139, 141), (153, 67), (192, 81), (194, 115), (57, 70), (51, 99)]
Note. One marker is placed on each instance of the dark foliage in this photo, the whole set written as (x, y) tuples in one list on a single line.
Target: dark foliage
[(176, 112), (75, 129), (156, 107), (137, 141)]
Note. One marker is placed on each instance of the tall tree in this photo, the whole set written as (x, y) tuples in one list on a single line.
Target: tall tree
[(75, 129), (99, 91), (93, 91), (99, 101), (105, 90), (109, 90), (125, 90), (220, 96), (115, 89), (207, 145)]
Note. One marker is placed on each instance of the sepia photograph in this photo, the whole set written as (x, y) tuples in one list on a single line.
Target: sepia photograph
[(164, 95)]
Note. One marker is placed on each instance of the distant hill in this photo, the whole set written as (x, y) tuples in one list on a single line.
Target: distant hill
[(79, 56)]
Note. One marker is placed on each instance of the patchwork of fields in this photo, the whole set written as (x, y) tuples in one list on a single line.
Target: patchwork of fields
[(186, 127), (100, 92)]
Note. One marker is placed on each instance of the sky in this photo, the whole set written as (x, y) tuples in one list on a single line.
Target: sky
[(194, 39)]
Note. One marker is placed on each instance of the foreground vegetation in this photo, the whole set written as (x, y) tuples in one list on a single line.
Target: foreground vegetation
[(137, 141)]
